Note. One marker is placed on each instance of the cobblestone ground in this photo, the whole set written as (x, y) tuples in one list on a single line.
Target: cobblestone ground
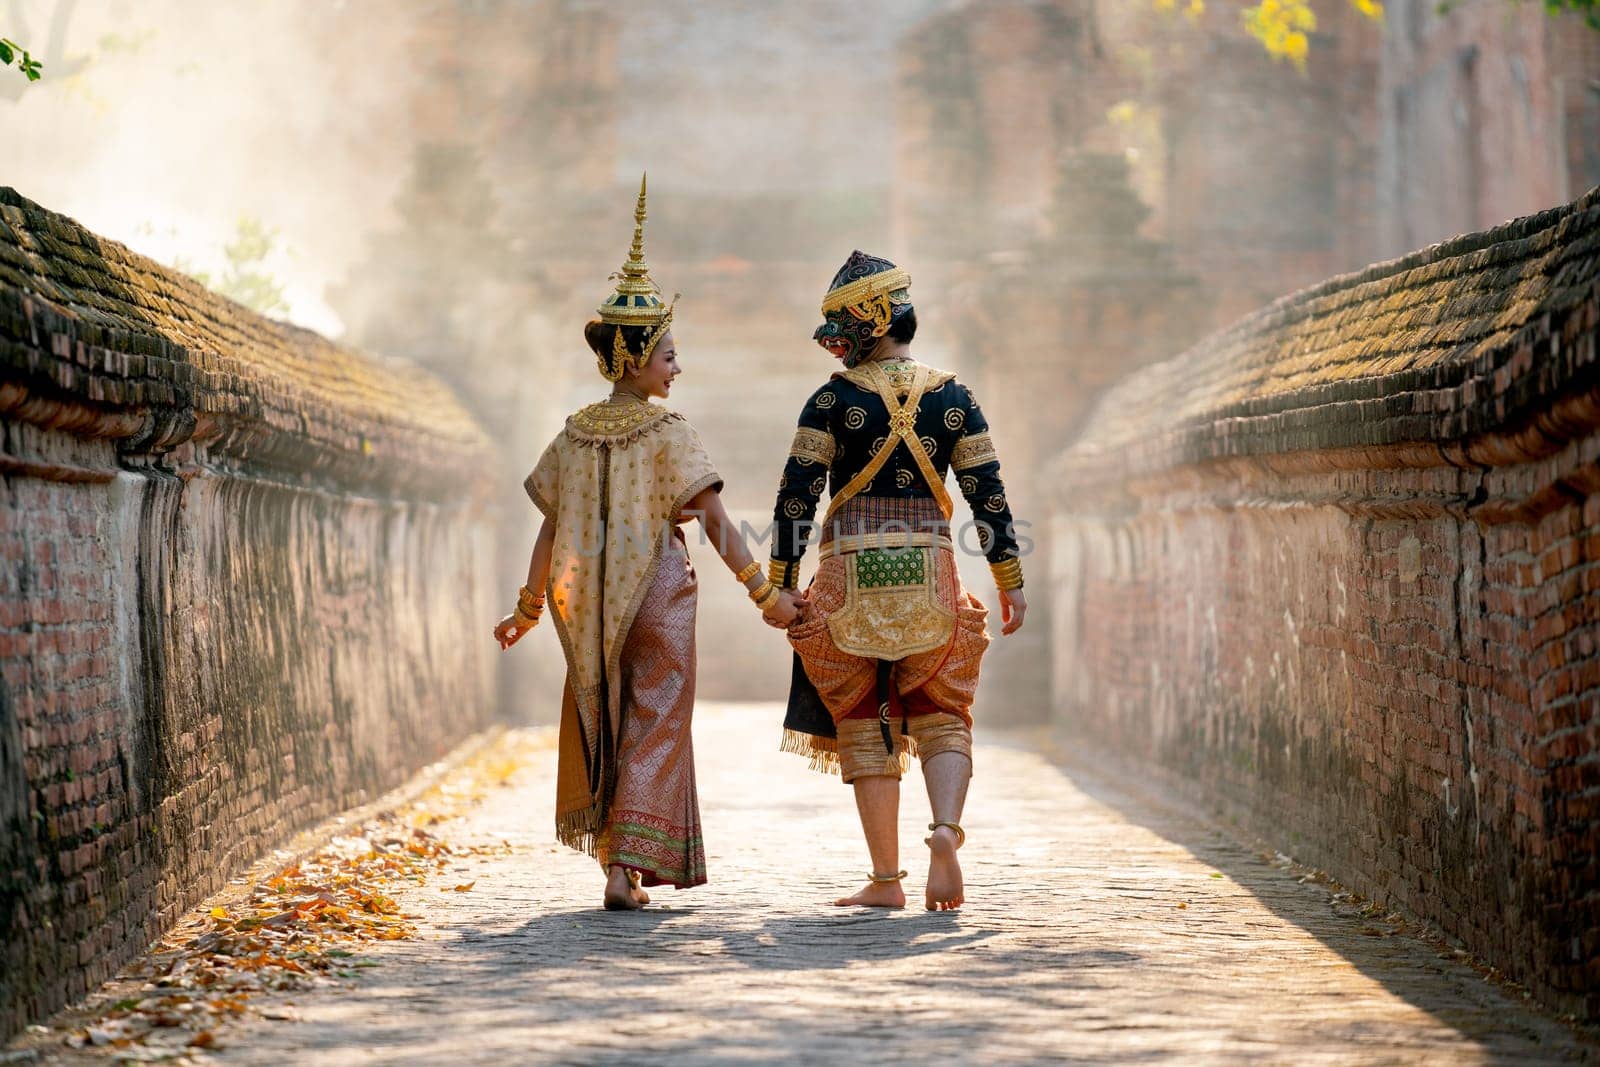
[(1101, 927)]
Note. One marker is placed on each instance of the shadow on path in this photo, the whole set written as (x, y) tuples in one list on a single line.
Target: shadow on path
[(1507, 1028)]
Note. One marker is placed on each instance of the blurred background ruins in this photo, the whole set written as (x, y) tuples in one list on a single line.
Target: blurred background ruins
[(1078, 187)]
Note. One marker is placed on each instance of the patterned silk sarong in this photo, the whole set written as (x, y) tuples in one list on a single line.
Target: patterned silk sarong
[(653, 824)]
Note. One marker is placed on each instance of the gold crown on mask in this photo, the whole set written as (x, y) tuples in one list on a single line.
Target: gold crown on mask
[(637, 302)]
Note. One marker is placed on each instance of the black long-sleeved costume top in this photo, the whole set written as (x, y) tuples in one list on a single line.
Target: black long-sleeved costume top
[(845, 423)]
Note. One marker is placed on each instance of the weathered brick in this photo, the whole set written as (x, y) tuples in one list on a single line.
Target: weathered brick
[(228, 543), (1461, 638)]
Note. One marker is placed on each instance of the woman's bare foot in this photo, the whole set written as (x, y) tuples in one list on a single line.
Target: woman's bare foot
[(876, 895), (621, 895), (945, 888), (638, 890)]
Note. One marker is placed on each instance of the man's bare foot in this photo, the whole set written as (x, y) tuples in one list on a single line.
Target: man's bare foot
[(621, 894), (876, 895), (946, 891)]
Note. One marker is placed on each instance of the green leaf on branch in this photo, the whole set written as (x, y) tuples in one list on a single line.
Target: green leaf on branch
[(27, 66)]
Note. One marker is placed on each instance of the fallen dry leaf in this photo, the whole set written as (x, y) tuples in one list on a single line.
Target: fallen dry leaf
[(299, 927)]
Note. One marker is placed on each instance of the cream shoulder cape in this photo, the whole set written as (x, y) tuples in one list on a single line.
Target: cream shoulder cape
[(614, 481)]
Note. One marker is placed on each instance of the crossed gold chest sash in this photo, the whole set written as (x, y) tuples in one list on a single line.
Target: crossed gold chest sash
[(899, 586)]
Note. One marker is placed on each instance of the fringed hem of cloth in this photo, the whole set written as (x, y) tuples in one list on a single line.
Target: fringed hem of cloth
[(823, 752), (579, 829)]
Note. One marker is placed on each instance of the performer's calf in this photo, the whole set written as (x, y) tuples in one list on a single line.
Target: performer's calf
[(946, 774), (878, 803)]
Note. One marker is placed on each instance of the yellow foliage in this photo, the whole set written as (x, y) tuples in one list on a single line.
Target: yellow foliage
[(1120, 114), (1281, 26)]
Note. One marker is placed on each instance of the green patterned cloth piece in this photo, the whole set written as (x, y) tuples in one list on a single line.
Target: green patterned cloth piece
[(877, 568)]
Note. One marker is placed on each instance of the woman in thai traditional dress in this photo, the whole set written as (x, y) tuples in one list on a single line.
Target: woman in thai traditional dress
[(614, 486)]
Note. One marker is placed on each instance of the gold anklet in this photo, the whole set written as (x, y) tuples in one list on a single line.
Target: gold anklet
[(885, 878), (961, 835)]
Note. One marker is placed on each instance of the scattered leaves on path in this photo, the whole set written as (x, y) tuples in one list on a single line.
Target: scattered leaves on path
[(301, 928)]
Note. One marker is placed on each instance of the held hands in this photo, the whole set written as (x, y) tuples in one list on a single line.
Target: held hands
[(788, 610), (1013, 606)]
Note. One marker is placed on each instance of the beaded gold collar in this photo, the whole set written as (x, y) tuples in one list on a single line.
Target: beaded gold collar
[(610, 420)]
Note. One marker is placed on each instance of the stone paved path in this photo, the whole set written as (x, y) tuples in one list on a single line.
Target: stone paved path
[(1096, 931)]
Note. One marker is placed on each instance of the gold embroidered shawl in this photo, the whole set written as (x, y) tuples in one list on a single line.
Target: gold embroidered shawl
[(614, 483)]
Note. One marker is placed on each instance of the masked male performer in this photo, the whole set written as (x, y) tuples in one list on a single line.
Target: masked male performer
[(888, 648)]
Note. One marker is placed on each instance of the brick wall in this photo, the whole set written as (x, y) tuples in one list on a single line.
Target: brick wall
[(242, 588), (1338, 567)]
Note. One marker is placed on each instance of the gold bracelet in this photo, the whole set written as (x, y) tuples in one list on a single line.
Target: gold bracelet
[(761, 590), (784, 574), (1007, 573), (526, 620), (747, 573), (528, 598), (769, 598)]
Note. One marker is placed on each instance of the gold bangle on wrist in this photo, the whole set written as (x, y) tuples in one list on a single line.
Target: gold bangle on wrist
[(747, 573), (1007, 573), (769, 598), (761, 590)]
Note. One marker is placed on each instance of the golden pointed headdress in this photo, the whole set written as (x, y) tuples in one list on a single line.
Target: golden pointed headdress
[(637, 302)]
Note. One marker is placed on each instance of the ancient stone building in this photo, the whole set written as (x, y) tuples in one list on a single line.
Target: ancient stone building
[(1485, 113), (513, 114)]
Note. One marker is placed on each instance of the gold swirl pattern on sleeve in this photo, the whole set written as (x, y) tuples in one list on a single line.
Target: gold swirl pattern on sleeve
[(969, 484), (826, 399), (855, 418), (813, 446), (954, 419), (996, 503), (794, 508), (974, 450)]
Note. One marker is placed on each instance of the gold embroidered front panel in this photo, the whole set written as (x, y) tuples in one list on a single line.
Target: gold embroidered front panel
[(893, 607), (973, 450), (813, 446)]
